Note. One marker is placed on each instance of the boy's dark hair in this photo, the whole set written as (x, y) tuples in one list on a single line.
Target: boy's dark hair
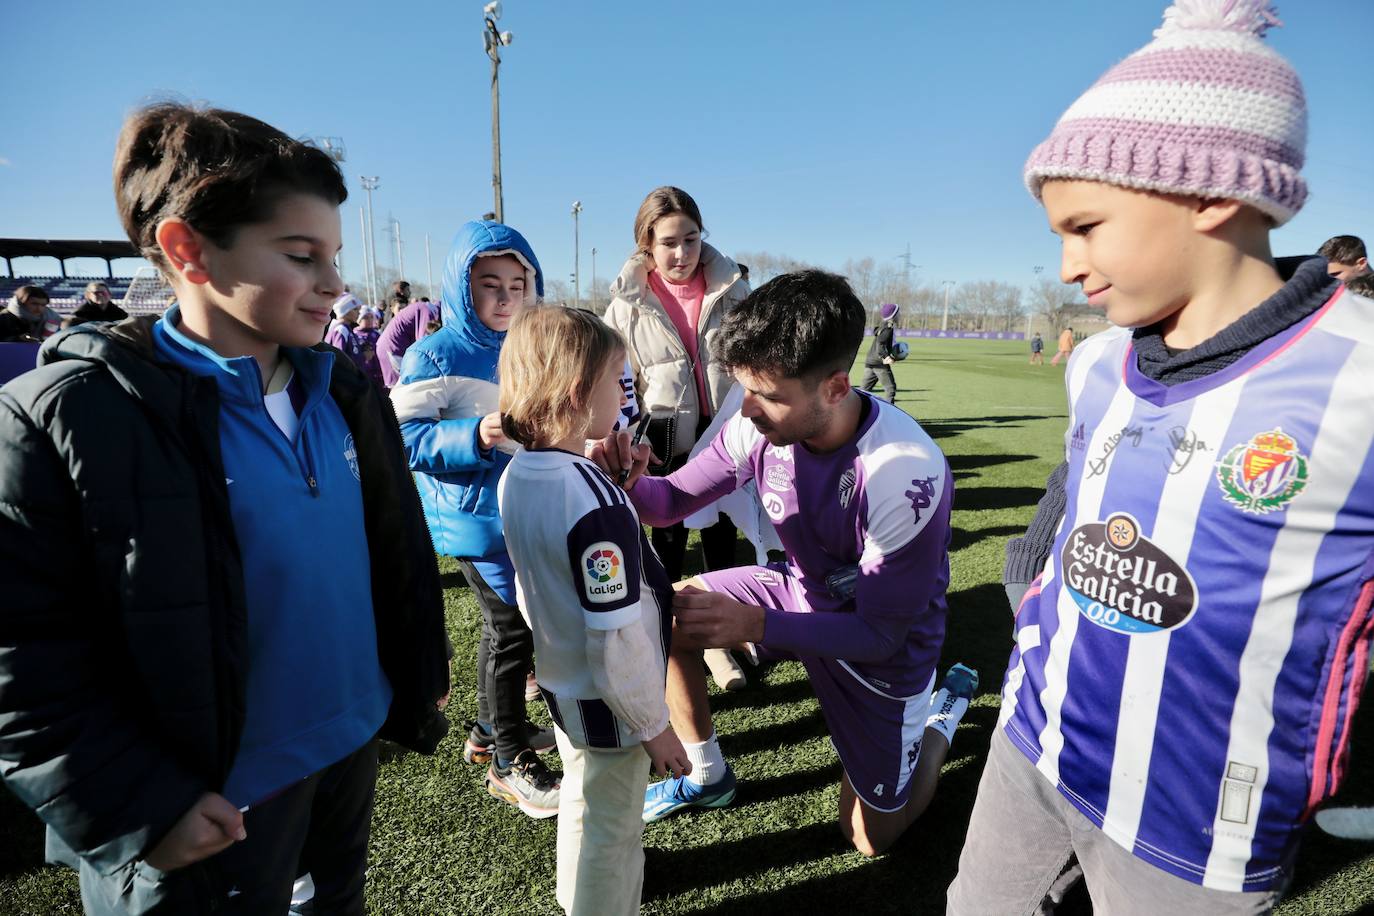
[(1362, 285), (1343, 249), (804, 325), (400, 292), (216, 169)]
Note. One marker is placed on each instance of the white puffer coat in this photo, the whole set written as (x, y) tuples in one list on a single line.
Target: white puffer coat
[(657, 354)]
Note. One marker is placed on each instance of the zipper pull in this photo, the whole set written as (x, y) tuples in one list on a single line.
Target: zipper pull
[(314, 487)]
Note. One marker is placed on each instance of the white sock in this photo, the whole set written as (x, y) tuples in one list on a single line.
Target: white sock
[(708, 766), (945, 713)]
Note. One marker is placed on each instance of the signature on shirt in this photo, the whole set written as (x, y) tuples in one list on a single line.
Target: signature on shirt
[(1184, 443), (1130, 434)]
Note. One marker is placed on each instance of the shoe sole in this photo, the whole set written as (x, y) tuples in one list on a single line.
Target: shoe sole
[(718, 802), (510, 798)]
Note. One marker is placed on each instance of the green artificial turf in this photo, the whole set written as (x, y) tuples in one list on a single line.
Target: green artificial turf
[(441, 845)]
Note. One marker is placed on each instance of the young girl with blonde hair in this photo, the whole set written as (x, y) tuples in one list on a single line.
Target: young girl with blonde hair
[(595, 596)]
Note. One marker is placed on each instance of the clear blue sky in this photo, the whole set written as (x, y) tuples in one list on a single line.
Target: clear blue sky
[(823, 131)]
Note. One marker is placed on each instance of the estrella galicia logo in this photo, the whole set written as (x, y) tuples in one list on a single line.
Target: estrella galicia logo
[(921, 494), (351, 456), (778, 477), (603, 571), (1123, 581)]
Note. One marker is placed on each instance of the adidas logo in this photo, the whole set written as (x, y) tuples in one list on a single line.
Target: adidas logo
[(1079, 440)]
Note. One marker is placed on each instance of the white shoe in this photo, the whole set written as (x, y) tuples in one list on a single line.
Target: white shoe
[(1347, 823), (725, 671)]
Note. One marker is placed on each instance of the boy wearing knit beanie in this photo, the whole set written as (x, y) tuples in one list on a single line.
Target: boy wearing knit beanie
[(1193, 599)]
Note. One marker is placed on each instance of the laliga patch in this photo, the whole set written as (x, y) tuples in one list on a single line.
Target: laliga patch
[(1264, 474), (777, 477), (603, 573), (1123, 581)]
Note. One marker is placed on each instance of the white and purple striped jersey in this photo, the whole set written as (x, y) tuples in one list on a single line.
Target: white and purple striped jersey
[(581, 562), (1189, 661), (880, 503)]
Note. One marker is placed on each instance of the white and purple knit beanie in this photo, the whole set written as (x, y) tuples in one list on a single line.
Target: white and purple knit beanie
[(1206, 109)]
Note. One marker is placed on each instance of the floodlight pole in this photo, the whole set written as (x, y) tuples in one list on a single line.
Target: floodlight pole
[(593, 278), (333, 147), (577, 276), (400, 251), (492, 39), (367, 261), (370, 185), (944, 322), (429, 269)]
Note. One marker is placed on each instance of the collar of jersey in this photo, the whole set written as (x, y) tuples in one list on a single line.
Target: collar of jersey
[(239, 377)]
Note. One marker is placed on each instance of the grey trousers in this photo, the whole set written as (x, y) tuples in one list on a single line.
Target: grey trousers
[(1022, 835), (875, 374)]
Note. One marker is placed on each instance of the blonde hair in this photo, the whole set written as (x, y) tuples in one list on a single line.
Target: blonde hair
[(661, 202), (551, 359)]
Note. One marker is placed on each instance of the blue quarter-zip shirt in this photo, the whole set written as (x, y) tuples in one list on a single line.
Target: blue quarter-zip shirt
[(315, 691)]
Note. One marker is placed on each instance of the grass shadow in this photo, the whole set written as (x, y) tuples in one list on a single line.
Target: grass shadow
[(974, 499), (21, 837), (962, 537)]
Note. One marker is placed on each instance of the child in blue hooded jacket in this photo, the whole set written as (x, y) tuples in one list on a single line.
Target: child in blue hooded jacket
[(446, 402)]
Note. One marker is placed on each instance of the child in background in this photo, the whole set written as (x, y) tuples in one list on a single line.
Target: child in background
[(446, 401), (409, 325), (1194, 595), (1065, 346), (1037, 357), (596, 597), (195, 714), (340, 336), (368, 335), (1346, 257)]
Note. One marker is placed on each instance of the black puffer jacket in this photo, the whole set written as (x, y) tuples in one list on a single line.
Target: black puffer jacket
[(122, 627)]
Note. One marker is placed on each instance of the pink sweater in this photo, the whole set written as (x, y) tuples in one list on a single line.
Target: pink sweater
[(683, 302)]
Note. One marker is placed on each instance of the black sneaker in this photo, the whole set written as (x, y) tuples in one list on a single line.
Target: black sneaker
[(527, 784), (481, 745)]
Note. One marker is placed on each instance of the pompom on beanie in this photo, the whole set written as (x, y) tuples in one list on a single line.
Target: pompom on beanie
[(1207, 109)]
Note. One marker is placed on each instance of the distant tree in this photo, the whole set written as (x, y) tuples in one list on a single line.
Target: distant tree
[(1057, 303), (764, 265)]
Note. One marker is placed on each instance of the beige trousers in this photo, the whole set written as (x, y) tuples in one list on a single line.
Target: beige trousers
[(600, 829)]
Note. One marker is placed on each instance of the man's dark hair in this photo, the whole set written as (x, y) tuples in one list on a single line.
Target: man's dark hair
[(216, 169), (1362, 285), (806, 324), (400, 293), (1343, 249)]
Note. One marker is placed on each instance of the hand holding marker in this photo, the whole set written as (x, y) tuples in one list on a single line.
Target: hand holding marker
[(638, 437)]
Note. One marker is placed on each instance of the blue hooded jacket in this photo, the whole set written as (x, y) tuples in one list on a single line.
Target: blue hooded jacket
[(447, 384)]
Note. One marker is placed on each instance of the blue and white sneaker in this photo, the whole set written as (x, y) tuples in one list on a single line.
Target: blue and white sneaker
[(677, 792), (961, 681)]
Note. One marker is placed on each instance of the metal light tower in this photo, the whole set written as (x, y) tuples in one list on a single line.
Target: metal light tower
[(369, 185), (577, 276), (429, 269), (333, 147), (367, 261), (492, 40), (400, 250), (594, 278), (944, 322)]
